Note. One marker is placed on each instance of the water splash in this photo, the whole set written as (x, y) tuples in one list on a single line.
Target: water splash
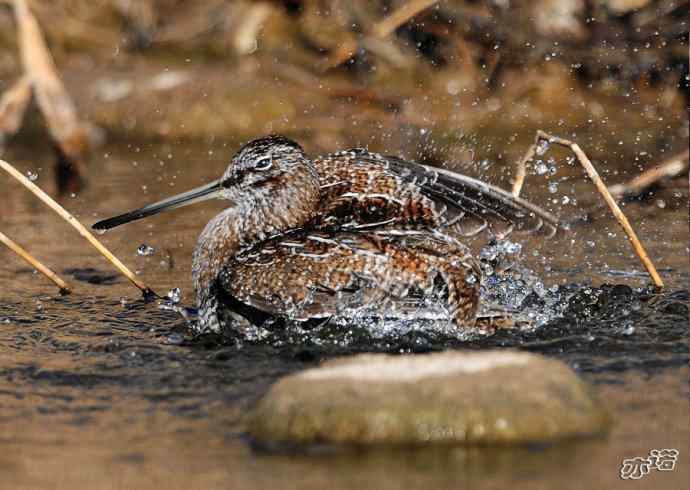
[(510, 286), (174, 295), (509, 293), (540, 168), (145, 250), (542, 147)]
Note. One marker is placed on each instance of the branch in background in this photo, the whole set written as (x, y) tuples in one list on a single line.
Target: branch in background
[(5, 240), (375, 40), (13, 105), (400, 16), (68, 132), (668, 169), (603, 190), (63, 28), (246, 37), (140, 18), (38, 192)]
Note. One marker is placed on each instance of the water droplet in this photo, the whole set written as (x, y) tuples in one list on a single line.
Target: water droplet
[(512, 248), (145, 250), (488, 253), (542, 147), (540, 168), (174, 339), (31, 175), (661, 203), (174, 295), (553, 187)]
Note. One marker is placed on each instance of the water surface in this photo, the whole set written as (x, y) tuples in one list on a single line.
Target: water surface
[(101, 390)]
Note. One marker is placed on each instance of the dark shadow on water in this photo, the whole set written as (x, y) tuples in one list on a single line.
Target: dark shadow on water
[(92, 276), (611, 328)]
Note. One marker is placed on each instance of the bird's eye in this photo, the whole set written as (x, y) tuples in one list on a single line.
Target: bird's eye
[(264, 163)]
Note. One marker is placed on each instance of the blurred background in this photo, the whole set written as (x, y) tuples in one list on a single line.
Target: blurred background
[(452, 81), (112, 104)]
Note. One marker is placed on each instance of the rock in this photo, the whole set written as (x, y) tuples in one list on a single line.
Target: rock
[(496, 396)]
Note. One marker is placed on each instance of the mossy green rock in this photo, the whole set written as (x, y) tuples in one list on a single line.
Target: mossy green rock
[(478, 397)]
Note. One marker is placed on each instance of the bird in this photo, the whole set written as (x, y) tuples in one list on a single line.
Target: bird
[(310, 239)]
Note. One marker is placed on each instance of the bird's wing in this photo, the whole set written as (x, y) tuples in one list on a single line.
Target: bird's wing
[(468, 206)]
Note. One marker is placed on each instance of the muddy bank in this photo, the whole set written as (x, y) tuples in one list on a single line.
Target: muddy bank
[(326, 73)]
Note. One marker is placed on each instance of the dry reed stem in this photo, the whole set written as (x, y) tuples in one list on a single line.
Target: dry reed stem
[(346, 50), (400, 16), (52, 98), (13, 105), (38, 192), (378, 32), (68, 29), (16, 248), (521, 172), (246, 37), (51, 95), (610, 201), (668, 169)]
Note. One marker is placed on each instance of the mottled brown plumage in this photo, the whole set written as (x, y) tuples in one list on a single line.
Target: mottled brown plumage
[(308, 239)]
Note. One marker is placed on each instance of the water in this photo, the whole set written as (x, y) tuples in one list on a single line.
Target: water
[(145, 250), (102, 390)]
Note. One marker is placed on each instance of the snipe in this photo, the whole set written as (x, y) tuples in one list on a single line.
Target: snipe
[(306, 239)]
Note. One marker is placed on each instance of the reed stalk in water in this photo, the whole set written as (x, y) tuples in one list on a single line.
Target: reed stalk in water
[(83, 231), (35, 263), (601, 187)]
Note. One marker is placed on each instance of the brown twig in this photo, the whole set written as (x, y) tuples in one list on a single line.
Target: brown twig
[(668, 169), (52, 98), (521, 171), (374, 41), (346, 50), (610, 201), (13, 105), (71, 30), (246, 37), (400, 16), (38, 192), (5, 240)]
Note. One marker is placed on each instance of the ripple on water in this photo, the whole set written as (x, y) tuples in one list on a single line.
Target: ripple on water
[(612, 327)]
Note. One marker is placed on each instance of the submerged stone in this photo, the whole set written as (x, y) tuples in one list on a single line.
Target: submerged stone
[(479, 397)]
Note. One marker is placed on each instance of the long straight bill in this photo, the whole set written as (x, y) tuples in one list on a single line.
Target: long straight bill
[(203, 193)]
